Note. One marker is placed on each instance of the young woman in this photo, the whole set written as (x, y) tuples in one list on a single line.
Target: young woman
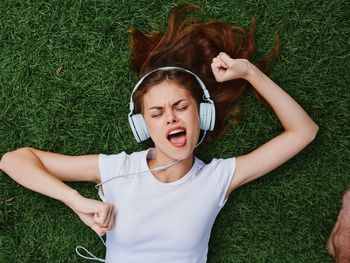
[(161, 203)]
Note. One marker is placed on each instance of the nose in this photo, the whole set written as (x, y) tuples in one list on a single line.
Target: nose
[(171, 117)]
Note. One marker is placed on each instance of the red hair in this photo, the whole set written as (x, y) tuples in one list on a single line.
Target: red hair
[(192, 44)]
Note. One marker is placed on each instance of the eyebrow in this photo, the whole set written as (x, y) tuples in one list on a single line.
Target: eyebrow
[(161, 107)]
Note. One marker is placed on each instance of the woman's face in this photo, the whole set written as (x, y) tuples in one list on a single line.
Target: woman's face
[(172, 119)]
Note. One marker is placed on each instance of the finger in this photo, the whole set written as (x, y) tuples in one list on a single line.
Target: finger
[(216, 59), (218, 68), (106, 216), (219, 73), (100, 217), (225, 58), (101, 230), (98, 230), (109, 221), (219, 60)]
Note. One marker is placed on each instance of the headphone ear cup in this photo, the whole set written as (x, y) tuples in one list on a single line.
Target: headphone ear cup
[(139, 127), (207, 116), (212, 115), (203, 108)]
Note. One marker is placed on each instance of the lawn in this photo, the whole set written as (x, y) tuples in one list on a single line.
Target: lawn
[(65, 86)]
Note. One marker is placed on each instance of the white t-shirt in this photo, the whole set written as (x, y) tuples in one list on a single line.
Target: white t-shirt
[(162, 222)]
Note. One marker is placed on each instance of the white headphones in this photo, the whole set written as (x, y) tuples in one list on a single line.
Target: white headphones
[(206, 109)]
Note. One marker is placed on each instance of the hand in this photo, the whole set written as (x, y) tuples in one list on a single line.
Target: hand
[(99, 216), (225, 68)]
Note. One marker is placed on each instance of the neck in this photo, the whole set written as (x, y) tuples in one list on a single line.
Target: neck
[(173, 173)]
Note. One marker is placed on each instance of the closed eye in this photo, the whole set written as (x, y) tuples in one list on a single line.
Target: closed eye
[(182, 108), (155, 115)]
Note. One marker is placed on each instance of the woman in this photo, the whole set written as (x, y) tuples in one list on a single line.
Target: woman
[(160, 204)]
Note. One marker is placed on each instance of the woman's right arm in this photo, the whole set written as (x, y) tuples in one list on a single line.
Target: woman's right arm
[(44, 172)]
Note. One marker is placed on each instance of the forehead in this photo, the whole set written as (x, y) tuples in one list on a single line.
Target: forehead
[(166, 91)]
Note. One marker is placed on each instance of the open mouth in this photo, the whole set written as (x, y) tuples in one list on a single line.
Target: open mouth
[(177, 137)]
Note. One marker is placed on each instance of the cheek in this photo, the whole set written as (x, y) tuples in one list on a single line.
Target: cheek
[(153, 128), (195, 119), (193, 124)]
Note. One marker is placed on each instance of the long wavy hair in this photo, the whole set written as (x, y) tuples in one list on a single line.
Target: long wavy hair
[(192, 44)]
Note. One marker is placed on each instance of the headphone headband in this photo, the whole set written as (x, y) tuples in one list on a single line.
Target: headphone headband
[(206, 94)]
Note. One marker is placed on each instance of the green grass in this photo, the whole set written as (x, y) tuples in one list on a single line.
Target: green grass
[(283, 217)]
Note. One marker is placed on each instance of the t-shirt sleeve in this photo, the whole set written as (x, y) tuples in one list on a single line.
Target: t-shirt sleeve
[(109, 167), (223, 174)]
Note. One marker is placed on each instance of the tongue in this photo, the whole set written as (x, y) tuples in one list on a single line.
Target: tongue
[(178, 140)]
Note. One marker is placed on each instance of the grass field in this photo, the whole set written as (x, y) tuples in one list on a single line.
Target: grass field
[(65, 87)]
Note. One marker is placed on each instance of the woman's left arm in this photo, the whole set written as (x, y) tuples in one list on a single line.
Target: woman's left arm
[(299, 128)]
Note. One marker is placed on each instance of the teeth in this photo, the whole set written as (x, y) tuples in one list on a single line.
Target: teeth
[(176, 131)]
